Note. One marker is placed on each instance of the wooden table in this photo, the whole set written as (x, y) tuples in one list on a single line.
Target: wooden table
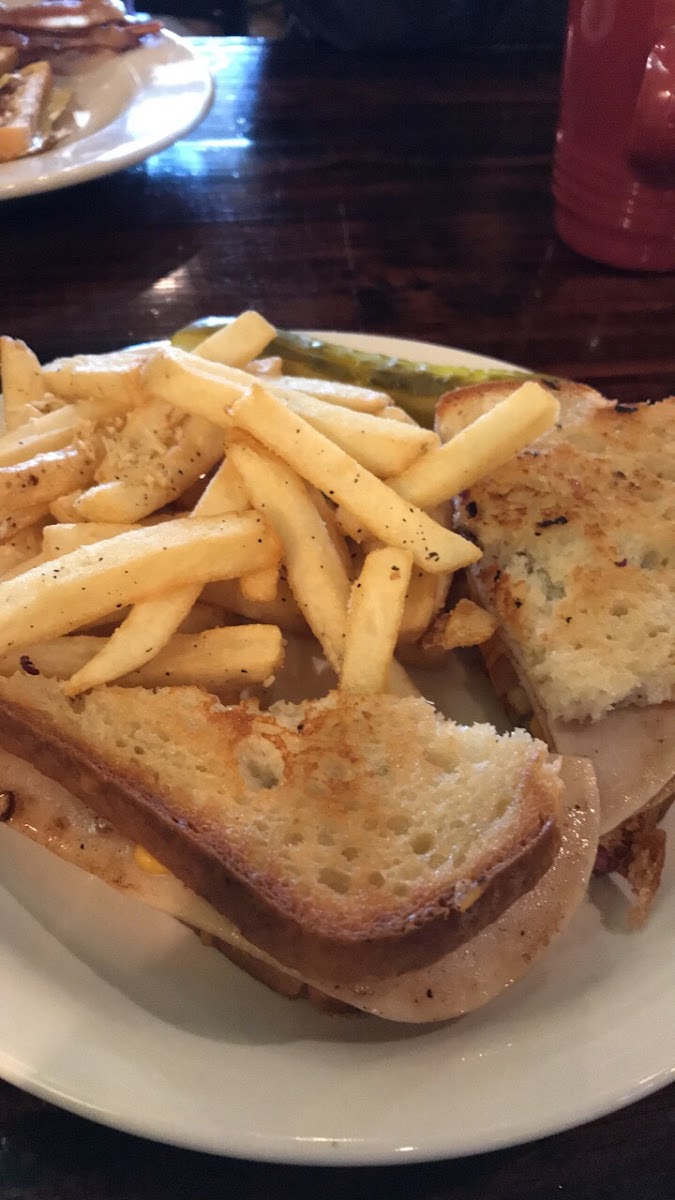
[(403, 196)]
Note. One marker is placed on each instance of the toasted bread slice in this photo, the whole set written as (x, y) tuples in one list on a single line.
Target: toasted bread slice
[(22, 100), (455, 983), (460, 408), (579, 570), (332, 834), (579, 557)]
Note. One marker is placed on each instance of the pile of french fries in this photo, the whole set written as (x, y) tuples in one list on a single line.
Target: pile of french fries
[(167, 517)]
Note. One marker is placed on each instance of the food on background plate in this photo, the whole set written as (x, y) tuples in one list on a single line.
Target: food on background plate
[(355, 845), (53, 29), (31, 109), (37, 40), (578, 539)]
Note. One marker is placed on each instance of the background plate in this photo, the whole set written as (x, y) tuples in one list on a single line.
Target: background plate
[(125, 109), (121, 1015)]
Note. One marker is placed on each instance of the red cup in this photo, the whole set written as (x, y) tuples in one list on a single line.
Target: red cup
[(614, 165)]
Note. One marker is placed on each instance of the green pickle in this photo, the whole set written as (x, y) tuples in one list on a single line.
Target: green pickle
[(416, 387)]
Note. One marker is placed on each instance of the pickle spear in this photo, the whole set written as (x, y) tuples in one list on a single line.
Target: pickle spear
[(416, 387)]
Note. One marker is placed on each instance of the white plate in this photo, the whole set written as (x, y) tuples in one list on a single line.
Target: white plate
[(119, 1014), (124, 109)]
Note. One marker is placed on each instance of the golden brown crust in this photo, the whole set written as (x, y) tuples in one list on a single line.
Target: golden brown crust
[(457, 409), (462, 980), (133, 809), (579, 558), (636, 847)]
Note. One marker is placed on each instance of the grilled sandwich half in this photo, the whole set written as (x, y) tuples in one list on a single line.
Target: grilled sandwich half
[(359, 848), (578, 569)]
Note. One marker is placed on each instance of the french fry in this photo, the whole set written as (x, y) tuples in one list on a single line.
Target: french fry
[(282, 611), (78, 588), (328, 516), (149, 487), (149, 626), (209, 389), (22, 382), (50, 431), (240, 654), (239, 342), (41, 479), (425, 596), (197, 385), (260, 585), (63, 507), (347, 395), (24, 545), (136, 641), (399, 682), (337, 475), (394, 413), (64, 538), (479, 448), (316, 574), (142, 442), (371, 440), (55, 659), (465, 625), (202, 617), (20, 568), (225, 492), (34, 514), (373, 619), (350, 525), (113, 380)]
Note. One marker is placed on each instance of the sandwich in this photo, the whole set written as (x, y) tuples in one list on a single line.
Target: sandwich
[(53, 30), (171, 517), (577, 534), (356, 849)]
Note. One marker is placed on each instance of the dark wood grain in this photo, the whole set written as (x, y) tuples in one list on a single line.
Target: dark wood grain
[(406, 196), (46, 1154)]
